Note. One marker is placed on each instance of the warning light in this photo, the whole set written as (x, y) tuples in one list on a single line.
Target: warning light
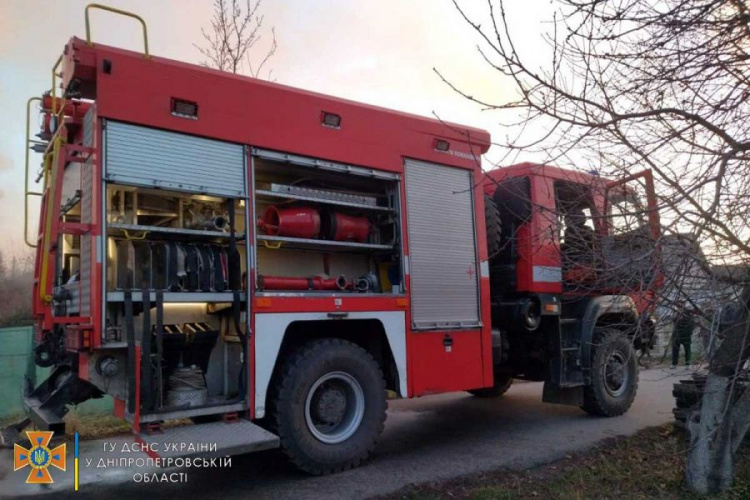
[(442, 145), (330, 120), (184, 109)]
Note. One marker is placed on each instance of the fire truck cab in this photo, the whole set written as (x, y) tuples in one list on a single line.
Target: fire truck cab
[(269, 261)]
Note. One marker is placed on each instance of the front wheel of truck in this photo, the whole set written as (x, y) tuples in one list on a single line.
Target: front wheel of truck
[(614, 374)]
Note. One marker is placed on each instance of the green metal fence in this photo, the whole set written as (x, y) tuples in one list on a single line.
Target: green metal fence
[(17, 359)]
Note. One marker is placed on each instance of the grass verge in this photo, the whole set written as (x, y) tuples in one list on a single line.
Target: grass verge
[(649, 464)]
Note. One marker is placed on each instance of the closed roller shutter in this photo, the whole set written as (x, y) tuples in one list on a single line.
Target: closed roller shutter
[(142, 156), (442, 248)]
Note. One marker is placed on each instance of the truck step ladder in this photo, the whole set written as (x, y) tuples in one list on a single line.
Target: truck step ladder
[(570, 373)]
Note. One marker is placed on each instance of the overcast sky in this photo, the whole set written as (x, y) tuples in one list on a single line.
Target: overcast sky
[(381, 52)]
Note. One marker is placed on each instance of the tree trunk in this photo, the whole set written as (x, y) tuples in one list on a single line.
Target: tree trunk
[(709, 463), (724, 418)]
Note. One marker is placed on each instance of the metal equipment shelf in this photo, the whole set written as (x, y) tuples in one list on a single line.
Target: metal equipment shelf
[(316, 199), (323, 244), (172, 230), (119, 296)]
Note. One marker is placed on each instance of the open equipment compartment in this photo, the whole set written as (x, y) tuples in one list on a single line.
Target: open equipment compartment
[(175, 274), (325, 228), (175, 277)]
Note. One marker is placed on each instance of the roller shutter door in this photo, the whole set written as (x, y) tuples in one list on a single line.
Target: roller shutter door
[(143, 156), (442, 247)]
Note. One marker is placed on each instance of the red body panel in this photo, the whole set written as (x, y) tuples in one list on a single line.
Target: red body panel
[(446, 361), (262, 114)]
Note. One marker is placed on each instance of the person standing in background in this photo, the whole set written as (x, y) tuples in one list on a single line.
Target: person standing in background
[(682, 334)]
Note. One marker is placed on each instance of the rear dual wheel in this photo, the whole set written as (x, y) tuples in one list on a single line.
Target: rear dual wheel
[(329, 408)]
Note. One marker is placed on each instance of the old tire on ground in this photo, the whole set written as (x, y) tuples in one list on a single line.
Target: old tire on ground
[(492, 222), (503, 382), (614, 374), (329, 406), (688, 394)]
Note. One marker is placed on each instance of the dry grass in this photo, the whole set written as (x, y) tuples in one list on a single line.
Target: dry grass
[(647, 465), (94, 425)]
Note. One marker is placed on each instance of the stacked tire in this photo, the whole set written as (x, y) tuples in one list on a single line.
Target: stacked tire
[(687, 396)]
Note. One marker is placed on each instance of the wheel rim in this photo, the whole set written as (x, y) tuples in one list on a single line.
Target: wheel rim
[(334, 407), (616, 374)]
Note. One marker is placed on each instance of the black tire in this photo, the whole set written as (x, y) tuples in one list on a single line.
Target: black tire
[(494, 229), (295, 411), (614, 375), (502, 384), (688, 395)]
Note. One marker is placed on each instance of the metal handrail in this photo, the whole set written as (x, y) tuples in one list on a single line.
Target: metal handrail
[(50, 160), (122, 13), (26, 190), (54, 87)]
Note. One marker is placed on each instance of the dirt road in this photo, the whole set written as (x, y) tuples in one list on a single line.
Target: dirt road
[(426, 439)]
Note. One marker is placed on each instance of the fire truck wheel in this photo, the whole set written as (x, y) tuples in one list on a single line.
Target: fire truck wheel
[(503, 382), (330, 406), (614, 373)]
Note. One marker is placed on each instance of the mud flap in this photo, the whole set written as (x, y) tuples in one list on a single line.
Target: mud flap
[(555, 394)]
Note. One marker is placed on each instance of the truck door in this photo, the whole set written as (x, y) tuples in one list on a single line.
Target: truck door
[(631, 252), (446, 342)]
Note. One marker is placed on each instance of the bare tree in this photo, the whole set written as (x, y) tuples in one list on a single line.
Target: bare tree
[(232, 41), (665, 85)]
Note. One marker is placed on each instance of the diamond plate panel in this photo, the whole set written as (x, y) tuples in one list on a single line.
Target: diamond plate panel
[(233, 438)]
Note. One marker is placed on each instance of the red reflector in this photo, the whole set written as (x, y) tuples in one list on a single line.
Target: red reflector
[(442, 145)]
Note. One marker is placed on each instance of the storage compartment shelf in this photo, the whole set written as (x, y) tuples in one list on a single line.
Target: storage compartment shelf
[(323, 244), (172, 230), (119, 296), (289, 196)]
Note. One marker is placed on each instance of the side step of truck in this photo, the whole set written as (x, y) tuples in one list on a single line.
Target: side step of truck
[(210, 440)]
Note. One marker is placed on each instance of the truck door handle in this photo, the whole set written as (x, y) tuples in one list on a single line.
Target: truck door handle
[(338, 315), (448, 343)]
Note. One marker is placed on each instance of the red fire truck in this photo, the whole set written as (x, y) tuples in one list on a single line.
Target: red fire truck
[(269, 262)]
